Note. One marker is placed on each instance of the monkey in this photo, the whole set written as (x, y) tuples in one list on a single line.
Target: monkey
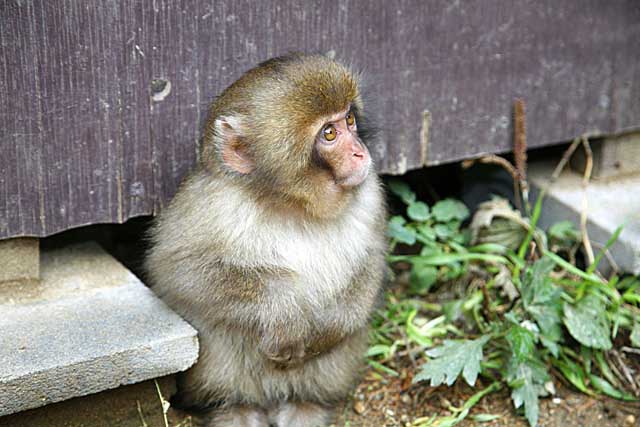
[(273, 248)]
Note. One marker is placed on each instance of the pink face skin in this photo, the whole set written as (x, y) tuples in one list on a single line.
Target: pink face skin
[(346, 155)]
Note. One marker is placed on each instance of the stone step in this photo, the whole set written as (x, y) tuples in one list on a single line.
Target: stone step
[(610, 203), (88, 325)]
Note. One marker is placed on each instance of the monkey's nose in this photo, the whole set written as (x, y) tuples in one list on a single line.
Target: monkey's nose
[(359, 154)]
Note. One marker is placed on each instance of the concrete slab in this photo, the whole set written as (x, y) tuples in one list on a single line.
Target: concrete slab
[(610, 204), (89, 325), (19, 259)]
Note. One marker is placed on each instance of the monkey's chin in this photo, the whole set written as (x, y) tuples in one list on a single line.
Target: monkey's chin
[(356, 178)]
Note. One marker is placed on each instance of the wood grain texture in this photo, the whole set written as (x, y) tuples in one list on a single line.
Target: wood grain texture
[(83, 142)]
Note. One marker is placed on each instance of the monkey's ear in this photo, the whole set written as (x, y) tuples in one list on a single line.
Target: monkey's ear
[(235, 154)]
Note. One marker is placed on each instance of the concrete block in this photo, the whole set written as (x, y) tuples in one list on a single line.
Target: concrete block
[(19, 259), (89, 325), (610, 204), (134, 405), (613, 156)]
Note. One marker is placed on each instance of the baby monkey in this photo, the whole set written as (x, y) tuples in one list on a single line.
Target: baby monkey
[(273, 248)]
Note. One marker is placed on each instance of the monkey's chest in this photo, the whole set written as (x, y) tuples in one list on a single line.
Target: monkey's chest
[(321, 266)]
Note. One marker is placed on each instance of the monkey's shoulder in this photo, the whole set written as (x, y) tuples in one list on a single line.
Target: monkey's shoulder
[(223, 225)]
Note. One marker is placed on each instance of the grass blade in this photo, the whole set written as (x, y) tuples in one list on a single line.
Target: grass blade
[(572, 269), (606, 247)]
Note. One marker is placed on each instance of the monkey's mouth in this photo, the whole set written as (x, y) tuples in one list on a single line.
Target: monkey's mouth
[(356, 178)]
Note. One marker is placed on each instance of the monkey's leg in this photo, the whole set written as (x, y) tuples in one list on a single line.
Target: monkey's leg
[(238, 416), (301, 414)]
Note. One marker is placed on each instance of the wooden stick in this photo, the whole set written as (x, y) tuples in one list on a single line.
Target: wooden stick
[(520, 149), (583, 214)]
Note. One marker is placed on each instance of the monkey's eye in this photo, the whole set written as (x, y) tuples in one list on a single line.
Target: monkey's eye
[(351, 119), (329, 133)]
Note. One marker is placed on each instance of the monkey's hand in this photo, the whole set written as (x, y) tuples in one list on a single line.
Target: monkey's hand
[(323, 341), (283, 352)]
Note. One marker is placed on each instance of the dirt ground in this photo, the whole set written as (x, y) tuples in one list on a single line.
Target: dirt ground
[(396, 402)]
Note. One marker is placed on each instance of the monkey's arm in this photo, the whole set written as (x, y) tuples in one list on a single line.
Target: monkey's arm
[(257, 303), (352, 308)]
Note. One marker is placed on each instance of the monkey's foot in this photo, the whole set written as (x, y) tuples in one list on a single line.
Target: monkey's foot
[(238, 416), (302, 414)]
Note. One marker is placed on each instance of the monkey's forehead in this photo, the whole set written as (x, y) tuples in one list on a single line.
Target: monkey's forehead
[(320, 86), (309, 86), (290, 95)]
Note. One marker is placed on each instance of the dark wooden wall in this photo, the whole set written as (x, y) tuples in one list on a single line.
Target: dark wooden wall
[(82, 141)]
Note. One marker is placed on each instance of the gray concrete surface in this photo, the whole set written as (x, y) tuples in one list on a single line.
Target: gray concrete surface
[(89, 325), (19, 259), (610, 204)]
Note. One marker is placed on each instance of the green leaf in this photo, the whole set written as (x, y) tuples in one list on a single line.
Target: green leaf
[(449, 258), (564, 230), (421, 331), (491, 248), (443, 231), (418, 211), (572, 268), (635, 334), (452, 358), (526, 394), (399, 232), (422, 278), (426, 231), (485, 418), (461, 413), (603, 365), (606, 247), (380, 367), (543, 301), (453, 309), (605, 387), (527, 380), (434, 257), (448, 209), (536, 284), (535, 216), (398, 219), (453, 271), (428, 251), (550, 345), (402, 190), (587, 322), (521, 341), (461, 237), (574, 374), (379, 350)]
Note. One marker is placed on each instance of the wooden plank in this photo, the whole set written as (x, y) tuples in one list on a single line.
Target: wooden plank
[(613, 157), (177, 116), (83, 142)]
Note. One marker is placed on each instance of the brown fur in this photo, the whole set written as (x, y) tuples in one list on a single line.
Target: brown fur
[(282, 99), (279, 269)]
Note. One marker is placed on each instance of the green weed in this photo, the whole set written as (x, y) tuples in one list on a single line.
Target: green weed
[(525, 309)]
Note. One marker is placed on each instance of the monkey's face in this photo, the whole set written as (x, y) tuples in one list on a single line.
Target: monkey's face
[(339, 151), (291, 131)]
